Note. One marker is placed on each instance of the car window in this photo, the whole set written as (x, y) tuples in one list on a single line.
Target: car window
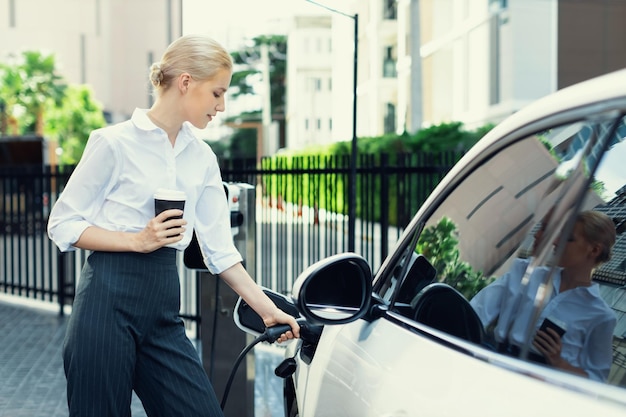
[(514, 216)]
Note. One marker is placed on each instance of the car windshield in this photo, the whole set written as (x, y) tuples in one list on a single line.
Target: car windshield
[(513, 224)]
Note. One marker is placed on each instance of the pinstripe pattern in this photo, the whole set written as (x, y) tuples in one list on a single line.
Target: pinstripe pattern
[(124, 333)]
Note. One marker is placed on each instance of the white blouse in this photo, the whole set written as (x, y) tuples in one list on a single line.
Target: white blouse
[(123, 165), (587, 342)]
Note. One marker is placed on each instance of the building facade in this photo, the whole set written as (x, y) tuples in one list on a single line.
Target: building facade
[(309, 102), (424, 62), (419, 62), (107, 44)]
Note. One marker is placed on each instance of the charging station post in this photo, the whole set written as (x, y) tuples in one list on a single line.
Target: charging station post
[(221, 340)]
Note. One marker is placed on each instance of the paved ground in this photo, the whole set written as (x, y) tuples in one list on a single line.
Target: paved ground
[(30, 362), (32, 383)]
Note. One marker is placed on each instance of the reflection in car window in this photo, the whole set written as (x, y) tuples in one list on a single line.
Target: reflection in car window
[(488, 224)]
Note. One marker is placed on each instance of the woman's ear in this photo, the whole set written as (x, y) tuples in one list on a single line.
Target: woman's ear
[(183, 82), (596, 251)]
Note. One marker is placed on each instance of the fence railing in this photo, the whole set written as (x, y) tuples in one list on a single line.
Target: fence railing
[(301, 218), (303, 206)]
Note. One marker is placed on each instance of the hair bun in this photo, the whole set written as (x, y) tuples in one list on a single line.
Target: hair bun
[(156, 74)]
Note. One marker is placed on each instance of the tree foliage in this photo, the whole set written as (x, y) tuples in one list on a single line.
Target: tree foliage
[(439, 244), (35, 98), (71, 123), (248, 70), (42, 87), (437, 138), (10, 86), (31, 85)]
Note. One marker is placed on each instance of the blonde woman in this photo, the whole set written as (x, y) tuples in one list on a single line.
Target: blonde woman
[(585, 348), (124, 332)]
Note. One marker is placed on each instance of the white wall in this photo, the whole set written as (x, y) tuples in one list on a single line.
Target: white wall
[(463, 80), (309, 88), (342, 67), (117, 34), (534, 32)]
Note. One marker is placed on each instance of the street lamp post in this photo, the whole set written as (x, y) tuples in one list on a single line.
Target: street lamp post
[(354, 151)]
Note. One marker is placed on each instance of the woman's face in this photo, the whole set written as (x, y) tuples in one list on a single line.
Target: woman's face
[(578, 250), (204, 99)]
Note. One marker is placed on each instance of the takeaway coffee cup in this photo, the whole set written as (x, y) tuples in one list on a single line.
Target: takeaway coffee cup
[(165, 199)]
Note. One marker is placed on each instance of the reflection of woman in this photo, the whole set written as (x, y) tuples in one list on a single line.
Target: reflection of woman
[(585, 348)]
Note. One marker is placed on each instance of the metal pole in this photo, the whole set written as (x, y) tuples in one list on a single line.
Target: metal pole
[(61, 258), (267, 146), (353, 154)]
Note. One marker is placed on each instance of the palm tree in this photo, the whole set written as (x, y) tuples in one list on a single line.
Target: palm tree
[(10, 87), (40, 85)]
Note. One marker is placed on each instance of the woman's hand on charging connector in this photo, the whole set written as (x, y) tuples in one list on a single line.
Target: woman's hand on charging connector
[(280, 317)]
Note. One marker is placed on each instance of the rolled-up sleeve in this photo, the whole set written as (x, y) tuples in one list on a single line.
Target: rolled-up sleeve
[(84, 193), (496, 300), (212, 224), (488, 302)]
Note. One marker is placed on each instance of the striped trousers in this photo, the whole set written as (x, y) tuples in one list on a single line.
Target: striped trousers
[(125, 334)]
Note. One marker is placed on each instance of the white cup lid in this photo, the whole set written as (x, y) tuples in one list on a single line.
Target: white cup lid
[(167, 194)]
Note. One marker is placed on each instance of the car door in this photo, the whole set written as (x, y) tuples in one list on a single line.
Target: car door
[(478, 224)]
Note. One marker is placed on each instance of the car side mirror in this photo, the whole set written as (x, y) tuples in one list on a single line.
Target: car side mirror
[(335, 290)]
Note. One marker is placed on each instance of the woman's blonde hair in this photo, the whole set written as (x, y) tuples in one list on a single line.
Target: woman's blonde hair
[(198, 55), (598, 228)]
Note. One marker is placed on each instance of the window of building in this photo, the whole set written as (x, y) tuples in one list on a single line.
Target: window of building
[(389, 63), (390, 10), (11, 13), (390, 118), (313, 84), (496, 5)]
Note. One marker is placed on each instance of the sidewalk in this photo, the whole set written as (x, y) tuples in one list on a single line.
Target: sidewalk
[(32, 382), (31, 373)]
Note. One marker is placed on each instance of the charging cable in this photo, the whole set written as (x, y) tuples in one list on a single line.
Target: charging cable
[(270, 335)]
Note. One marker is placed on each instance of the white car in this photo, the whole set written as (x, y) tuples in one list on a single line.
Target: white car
[(405, 341)]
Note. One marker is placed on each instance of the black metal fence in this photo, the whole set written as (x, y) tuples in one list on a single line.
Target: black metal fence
[(301, 217), (303, 204), (31, 265)]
